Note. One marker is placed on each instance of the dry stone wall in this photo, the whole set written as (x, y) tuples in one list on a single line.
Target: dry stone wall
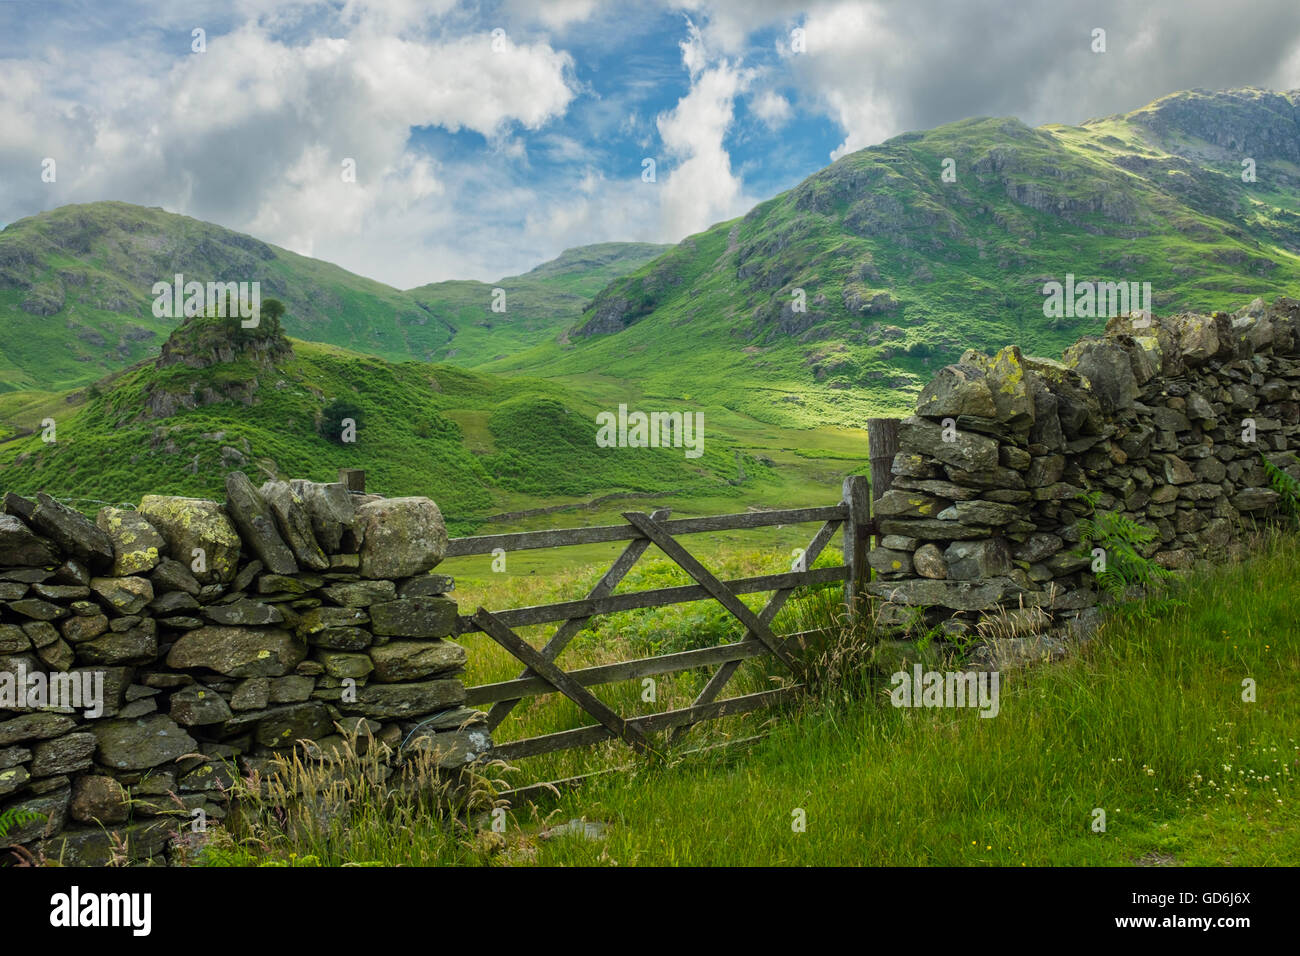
[(205, 638), (1168, 423)]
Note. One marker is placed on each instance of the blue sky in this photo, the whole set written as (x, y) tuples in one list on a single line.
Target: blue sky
[(481, 155)]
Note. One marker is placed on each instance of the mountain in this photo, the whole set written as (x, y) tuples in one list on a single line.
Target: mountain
[(902, 267), (217, 397), (76, 300), (540, 305), (821, 306)]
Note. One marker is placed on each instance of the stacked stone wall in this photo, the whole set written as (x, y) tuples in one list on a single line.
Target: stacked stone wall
[(1168, 423), (205, 639)]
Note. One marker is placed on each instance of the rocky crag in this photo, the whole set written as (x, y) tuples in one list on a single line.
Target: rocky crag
[(1169, 425), (223, 634)]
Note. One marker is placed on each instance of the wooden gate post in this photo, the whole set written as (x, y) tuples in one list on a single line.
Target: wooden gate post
[(353, 479), (882, 446), (857, 498)]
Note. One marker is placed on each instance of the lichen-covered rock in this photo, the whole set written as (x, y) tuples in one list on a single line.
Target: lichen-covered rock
[(70, 530), (244, 612), (137, 645), (191, 525), (140, 744), (21, 547), (123, 595), (137, 545), (257, 524), (426, 585), (967, 450), (1008, 383), (903, 503), (361, 593), (285, 725), (957, 390), (238, 651), (400, 537), (316, 620), (342, 664), (197, 705), (295, 524), (331, 511), (14, 641), (394, 701), (414, 617), (973, 560), (415, 660), (886, 562), (41, 725)]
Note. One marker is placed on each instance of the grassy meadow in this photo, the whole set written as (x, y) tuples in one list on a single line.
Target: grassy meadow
[(1146, 721)]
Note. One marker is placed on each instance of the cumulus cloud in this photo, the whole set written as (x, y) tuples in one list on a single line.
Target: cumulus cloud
[(254, 132), (701, 187), (880, 68)]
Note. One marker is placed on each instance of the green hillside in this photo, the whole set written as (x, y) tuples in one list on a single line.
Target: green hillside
[(76, 301), (898, 268), (270, 406), (902, 271), (540, 305)]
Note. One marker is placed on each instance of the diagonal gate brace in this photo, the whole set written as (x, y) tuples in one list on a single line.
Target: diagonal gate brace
[(561, 681), (669, 546)]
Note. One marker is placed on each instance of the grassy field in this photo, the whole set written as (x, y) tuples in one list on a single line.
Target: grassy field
[(1147, 722)]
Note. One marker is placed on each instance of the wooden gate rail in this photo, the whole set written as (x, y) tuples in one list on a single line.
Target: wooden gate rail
[(586, 736), (660, 597), (598, 534), (627, 670)]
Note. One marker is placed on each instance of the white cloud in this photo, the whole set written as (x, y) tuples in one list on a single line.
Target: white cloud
[(252, 133), (701, 188), (772, 108)]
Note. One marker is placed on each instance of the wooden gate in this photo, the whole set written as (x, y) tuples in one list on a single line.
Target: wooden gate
[(542, 674)]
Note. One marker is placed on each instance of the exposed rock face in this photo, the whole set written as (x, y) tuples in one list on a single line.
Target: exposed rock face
[(1169, 424)]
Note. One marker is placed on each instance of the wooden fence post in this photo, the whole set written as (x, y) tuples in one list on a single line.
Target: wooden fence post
[(353, 479), (882, 446), (857, 499)]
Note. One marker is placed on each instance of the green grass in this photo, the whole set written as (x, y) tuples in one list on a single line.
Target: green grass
[(1147, 722)]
